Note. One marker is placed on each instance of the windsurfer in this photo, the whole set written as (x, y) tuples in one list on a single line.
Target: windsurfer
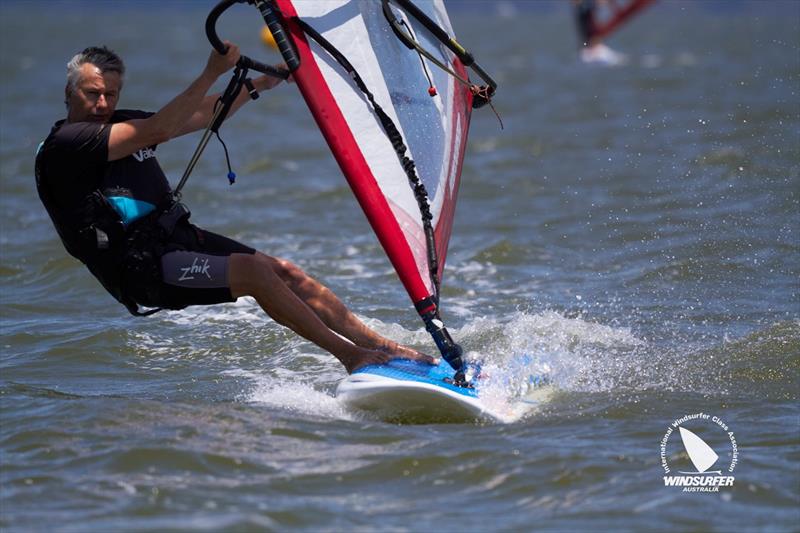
[(113, 208), (593, 50)]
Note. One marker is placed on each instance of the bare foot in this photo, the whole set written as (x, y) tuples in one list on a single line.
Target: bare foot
[(404, 352), (362, 357)]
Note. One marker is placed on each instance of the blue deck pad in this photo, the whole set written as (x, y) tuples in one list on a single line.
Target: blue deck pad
[(407, 370)]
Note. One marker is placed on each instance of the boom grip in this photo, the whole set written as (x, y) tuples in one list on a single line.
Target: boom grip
[(281, 39), (211, 25), (219, 46), (269, 70)]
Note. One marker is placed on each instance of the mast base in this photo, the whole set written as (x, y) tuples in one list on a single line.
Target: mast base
[(450, 350)]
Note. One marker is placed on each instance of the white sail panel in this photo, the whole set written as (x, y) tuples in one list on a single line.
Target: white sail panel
[(433, 128)]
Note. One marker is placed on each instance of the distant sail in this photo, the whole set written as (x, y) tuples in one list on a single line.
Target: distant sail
[(701, 454), (433, 123), (619, 15)]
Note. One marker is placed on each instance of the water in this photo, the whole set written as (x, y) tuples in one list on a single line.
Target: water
[(634, 228)]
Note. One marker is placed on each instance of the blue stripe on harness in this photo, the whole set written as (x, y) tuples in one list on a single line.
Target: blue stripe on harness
[(130, 209)]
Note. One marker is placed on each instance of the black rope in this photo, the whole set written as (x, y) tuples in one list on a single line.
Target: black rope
[(231, 173), (226, 100), (221, 109), (400, 148)]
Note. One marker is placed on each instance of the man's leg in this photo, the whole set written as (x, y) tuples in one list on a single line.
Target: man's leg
[(330, 309), (255, 275)]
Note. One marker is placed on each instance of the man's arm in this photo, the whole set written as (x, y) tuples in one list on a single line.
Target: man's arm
[(202, 116), (127, 137)]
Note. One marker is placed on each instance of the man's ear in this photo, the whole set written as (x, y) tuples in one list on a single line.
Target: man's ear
[(66, 95)]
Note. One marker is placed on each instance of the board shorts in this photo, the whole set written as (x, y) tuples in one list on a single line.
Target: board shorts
[(196, 273)]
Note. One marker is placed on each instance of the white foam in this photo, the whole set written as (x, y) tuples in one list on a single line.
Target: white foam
[(288, 393), (572, 353), (243, 310)]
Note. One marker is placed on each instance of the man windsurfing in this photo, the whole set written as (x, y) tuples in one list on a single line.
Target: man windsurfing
[(98, 178)]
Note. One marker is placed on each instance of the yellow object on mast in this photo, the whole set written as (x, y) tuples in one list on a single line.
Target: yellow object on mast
[(268, 39)]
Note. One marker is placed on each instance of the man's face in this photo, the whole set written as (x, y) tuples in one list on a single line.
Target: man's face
[(95, 96)]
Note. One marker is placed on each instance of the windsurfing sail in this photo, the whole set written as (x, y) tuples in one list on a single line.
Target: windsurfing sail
[(433, 128), (388, 87), (598, 20), (701, 454), (392, 100)]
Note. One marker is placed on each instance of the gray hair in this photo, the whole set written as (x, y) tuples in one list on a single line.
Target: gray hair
[(101, 57)]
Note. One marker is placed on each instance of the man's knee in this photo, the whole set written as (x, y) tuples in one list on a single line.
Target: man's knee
[(288, 271), (250, 272)]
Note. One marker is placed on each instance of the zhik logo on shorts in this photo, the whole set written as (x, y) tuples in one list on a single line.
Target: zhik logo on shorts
[(708, 475), (196, 267)]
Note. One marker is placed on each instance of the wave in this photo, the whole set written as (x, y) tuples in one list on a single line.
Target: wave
[(575, 355)]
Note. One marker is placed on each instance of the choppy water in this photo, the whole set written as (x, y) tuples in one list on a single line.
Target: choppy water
[(635, 228)]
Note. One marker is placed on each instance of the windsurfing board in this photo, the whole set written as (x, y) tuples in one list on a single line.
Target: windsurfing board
[(413, 392)]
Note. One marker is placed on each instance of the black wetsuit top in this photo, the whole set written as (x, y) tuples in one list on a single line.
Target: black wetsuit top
[(72, 164), (73, 161), (83, 191)]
